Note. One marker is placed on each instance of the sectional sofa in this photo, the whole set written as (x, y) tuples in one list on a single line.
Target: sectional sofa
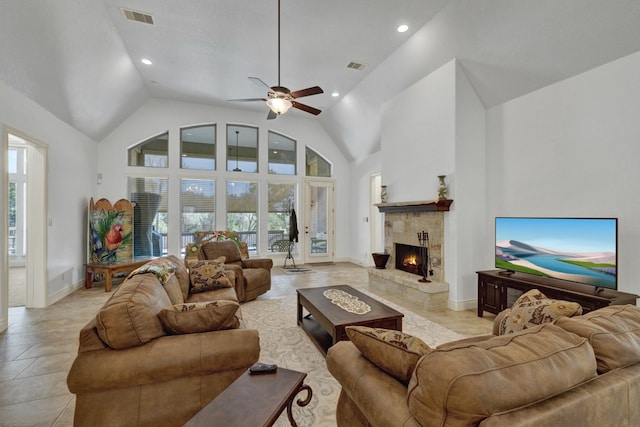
[(575, 371)]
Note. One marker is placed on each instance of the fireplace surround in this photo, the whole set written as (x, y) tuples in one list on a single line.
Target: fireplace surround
[(402, 222)]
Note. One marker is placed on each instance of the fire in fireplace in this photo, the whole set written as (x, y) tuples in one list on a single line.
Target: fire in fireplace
[(409, 258)]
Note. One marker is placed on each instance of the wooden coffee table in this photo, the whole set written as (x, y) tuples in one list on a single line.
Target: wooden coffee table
[(254, 400), (120, 266), (325, 324)]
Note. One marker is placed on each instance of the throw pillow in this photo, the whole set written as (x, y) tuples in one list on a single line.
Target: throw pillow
[(394, 352), (207, 275), (189, 318), (534, 308)]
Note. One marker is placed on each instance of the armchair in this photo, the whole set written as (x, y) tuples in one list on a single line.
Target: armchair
[(253, 275)]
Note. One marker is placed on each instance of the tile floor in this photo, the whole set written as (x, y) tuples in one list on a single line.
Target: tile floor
[(37, 350)]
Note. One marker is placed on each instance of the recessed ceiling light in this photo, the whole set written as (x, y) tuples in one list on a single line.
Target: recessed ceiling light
[(334, 94), (146, 61), (402, 28)]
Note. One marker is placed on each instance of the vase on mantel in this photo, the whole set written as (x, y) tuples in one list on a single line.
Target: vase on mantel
[(383, 193), (442, 188), (380, 259)]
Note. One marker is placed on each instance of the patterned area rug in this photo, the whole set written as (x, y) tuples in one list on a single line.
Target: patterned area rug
[(282, 342)]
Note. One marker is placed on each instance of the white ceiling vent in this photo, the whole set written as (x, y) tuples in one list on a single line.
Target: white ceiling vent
[(134, 15), (356, 66)]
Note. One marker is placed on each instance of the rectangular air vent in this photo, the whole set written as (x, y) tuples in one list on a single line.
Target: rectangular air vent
[(356, 66), (134, 15)]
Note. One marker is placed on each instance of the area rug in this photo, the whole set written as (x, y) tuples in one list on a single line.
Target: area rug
[(282, 342)]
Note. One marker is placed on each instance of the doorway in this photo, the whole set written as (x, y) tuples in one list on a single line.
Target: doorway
[(26, 204), (318, 221)]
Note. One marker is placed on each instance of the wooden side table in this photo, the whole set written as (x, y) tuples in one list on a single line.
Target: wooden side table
[(123, 266), (254, 400)]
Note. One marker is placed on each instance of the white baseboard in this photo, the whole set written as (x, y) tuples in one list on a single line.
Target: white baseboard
[(463, 305), (67, 290)]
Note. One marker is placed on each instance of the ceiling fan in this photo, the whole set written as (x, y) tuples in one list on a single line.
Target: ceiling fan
[(279, 99)]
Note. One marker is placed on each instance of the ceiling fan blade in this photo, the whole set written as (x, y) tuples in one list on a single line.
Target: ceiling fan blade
[(306, 108), (271, 115), (307, 92), (247, 100), (260, 83)]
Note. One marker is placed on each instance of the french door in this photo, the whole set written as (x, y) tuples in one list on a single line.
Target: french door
[(318, 229)]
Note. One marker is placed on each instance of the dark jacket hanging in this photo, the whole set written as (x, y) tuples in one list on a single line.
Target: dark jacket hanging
[(293, 226)]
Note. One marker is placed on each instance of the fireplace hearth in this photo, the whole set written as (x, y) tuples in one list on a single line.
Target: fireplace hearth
[(409, 258)]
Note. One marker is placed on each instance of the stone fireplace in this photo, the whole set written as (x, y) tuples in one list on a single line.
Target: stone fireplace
[(403, 222)]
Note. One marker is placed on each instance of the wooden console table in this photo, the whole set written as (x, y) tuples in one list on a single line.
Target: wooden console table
[(254, 400), (498, 290), (123, 266)]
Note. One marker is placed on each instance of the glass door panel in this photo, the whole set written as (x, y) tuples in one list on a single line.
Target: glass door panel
[(318, 228)]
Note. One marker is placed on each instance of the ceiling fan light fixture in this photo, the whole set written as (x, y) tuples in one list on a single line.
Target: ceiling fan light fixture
[(279, 105)]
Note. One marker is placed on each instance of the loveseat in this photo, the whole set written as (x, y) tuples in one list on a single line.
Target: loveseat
[(156, 353), (573, 371)]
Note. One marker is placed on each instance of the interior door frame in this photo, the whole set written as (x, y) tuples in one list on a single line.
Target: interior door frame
[(37, 154), (308, 257)]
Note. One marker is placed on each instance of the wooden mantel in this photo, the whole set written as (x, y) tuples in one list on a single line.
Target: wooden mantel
[(419, 206)]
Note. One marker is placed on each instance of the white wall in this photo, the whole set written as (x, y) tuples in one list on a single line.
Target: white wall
[(437, 127), (464, 225), (158, 116), (571, 149), (72, 165), (418, 134), (361, 207)]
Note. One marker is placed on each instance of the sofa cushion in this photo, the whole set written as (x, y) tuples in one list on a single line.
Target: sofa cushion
[(227, 248), (613, 332), (208, 274), (200, 317), (129, 318), (465, 383), (534, 308), (172, 287), (182, 274), (394, 352)]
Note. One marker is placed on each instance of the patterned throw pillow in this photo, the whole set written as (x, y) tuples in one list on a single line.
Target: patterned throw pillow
[(534, 308), (190, 318), (207, 275), (394, 352)]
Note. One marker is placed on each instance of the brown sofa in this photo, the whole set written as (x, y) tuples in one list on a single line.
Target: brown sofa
[(252, 275), (131, 372), (582, 371)]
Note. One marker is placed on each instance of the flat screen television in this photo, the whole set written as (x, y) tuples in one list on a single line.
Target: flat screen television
[(582, 250)]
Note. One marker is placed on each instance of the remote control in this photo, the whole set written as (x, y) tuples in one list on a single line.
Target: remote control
[(263, 368)]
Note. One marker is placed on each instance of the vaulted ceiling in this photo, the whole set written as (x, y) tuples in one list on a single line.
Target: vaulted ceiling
[(80, 59)]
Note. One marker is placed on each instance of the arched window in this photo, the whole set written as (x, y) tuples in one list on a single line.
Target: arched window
[(242, 149), (152, 153), (316, 165), (198, 147), (282, 154)]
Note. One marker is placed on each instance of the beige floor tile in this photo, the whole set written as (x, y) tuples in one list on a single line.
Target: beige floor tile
[(48, 365), (36, 413), (32, 388), (11, 370)]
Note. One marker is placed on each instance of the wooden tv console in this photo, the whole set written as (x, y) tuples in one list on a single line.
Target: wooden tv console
[(498, 290)]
